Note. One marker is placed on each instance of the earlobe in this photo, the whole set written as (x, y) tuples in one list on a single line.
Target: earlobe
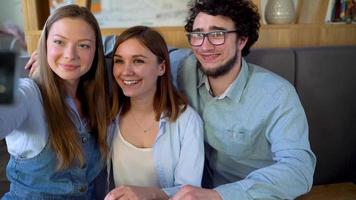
[(162, 68)]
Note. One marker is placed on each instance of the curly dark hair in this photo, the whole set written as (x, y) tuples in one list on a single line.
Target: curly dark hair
[(244, 13)]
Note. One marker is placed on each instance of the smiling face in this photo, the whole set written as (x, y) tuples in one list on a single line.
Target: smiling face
[(70, 48), (136, 70), (217, 60)]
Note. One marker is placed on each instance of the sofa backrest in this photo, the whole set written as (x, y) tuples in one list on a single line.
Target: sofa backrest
[(280, 61), (326, 84), (325, 79)]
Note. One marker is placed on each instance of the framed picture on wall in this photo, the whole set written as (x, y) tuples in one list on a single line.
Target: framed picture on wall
[(126, 13)]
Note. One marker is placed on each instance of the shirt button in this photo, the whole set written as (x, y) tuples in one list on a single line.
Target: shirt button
[(84, 139), (83, 188)]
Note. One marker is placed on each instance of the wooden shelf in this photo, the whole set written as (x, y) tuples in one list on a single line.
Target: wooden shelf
[(314, 32), (317, 33), (303, 35)]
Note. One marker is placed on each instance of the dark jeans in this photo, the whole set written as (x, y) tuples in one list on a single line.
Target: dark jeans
[(207, 181)]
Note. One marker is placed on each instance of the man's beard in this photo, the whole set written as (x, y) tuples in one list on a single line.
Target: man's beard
[(220, 70)]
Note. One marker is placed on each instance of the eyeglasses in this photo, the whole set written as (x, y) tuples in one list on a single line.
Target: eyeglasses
[(196, 39)]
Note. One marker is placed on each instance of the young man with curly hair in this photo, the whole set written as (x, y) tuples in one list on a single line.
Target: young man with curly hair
[(256, 131)]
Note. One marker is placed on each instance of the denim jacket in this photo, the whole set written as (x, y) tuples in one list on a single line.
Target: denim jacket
[(32, 167)]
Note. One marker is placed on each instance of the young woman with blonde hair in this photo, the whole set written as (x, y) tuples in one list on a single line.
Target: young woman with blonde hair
[(56, 129)]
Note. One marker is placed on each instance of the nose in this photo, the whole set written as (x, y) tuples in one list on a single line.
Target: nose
[(127, 69), (207, 45), (70, 52)]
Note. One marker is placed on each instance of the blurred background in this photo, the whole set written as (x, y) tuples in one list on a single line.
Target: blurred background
[(11, 38), (11, 27)]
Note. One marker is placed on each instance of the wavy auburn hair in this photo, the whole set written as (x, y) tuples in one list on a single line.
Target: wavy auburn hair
[(167, 99)]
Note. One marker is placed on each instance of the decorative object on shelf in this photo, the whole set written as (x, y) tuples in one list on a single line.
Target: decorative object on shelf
[(280, 12)]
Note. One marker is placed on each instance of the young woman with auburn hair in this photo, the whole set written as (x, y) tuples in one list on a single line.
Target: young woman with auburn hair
[(158, 143)]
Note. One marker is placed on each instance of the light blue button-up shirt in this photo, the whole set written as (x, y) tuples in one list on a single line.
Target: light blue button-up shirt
[(256, 133), (178, 151)]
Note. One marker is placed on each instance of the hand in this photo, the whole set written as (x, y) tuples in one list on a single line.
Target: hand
[(189, 192), (135, 193), (32, 64)]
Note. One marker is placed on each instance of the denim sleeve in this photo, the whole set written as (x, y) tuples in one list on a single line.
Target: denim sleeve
[(177, 56), (291, 175), (189, 168), (12, 116)]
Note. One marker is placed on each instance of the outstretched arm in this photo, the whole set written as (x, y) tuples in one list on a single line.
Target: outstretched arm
[(13, 115)]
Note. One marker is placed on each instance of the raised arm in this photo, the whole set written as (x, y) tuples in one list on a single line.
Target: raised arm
[(12, 116)]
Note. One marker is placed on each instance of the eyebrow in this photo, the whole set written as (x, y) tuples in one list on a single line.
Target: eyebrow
[(134, 56), (211, 28), (81, 40)]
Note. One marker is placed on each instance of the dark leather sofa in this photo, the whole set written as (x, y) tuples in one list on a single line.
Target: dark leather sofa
[(325, 79)]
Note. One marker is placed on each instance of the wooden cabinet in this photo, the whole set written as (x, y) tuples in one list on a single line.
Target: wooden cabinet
[(316, 33)]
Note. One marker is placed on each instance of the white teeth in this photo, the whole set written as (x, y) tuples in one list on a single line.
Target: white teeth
[(130, 82)]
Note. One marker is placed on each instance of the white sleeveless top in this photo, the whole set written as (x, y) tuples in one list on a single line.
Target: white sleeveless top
[(132, 165)]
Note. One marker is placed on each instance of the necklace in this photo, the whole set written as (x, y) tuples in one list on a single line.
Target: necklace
[(145, 130)]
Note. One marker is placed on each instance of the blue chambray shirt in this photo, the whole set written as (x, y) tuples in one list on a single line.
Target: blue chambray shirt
[(256, 133)]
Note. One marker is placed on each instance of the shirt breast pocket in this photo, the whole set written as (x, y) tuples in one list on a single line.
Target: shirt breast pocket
[(236, 142)]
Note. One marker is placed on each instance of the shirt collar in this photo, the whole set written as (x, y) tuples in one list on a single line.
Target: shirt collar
[(205, 81), (235, 90)]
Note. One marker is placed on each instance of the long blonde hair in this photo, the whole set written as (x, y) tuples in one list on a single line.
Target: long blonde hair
[(93, 93)]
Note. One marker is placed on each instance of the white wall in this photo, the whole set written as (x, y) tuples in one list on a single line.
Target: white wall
[(10, 11)]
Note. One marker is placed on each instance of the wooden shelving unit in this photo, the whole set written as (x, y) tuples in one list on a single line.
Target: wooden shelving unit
[(316, 33), (306, 35)]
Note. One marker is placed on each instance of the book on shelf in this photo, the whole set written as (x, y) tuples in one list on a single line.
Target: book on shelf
[(341, 11)]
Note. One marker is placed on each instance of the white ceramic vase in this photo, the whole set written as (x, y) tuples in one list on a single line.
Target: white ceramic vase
[(280, 12)]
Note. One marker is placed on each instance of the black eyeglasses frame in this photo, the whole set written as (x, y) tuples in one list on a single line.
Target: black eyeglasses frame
[(206, 35)]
